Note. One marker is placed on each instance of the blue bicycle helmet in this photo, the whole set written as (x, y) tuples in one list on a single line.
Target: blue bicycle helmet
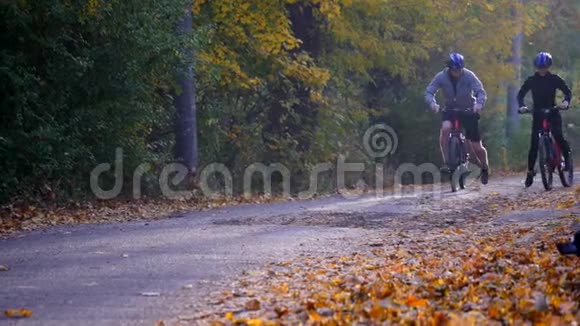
[(543, 60), (456, 61)]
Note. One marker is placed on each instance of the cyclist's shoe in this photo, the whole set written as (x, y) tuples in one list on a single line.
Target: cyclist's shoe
[(445, 169), (484, 176), (530, 178)]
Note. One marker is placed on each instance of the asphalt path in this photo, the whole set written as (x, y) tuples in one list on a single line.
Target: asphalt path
[(140, 272)]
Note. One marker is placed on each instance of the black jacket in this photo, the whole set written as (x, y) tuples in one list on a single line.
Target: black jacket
[(544, 90)]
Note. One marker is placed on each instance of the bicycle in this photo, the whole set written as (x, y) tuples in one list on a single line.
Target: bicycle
[(550, 155), (457, 153)]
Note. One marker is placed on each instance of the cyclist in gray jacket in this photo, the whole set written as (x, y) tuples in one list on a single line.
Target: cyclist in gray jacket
[(461, 90)]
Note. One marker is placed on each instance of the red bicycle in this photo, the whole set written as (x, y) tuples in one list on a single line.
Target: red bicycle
[(457, 153), (550, 155)]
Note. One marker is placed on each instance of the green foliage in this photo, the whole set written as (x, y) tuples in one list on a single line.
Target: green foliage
[(79, 79)]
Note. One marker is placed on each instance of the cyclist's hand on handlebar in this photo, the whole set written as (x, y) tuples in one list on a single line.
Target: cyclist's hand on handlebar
[(523, 109), (564, 105), (435, 107), (477, 108)]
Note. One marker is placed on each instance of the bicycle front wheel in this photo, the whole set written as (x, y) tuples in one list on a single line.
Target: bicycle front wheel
[(454, 160), (567, 177), (545, 162)]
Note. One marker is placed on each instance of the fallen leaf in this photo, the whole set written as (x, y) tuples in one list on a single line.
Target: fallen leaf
[(314, 316), (568, 307), (415, 302), (4, 268), (18, 313), (281, 311), (254, 322), (252, 305)]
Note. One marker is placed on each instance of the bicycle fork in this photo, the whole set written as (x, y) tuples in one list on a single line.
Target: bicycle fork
[(552, 148)]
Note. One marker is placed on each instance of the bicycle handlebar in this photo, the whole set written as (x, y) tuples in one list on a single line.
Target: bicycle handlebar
[(546, 110), (470, 109)]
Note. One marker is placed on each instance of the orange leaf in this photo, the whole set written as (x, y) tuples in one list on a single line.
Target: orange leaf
[(416, 302), (376, 312), (314, 316), (439, 319), (18, 313), (493, 312), (25, 313)]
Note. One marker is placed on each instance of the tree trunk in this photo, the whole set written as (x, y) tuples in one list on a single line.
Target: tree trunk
[(513, 86), (185, 119)]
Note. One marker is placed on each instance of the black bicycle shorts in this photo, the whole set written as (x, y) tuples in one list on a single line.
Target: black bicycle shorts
[(469, 121)]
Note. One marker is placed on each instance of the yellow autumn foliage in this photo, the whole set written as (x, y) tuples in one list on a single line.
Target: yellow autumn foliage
[(246, 34), (253, 41)]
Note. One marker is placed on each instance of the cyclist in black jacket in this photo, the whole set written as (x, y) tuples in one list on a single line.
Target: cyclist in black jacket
[(543, 85)]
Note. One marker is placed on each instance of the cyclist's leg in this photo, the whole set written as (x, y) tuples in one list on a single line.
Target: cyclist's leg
[(471, 125), (556, 124), (444, 135), (533, 154)]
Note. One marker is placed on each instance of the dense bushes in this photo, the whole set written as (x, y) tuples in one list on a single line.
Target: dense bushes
[(77, 80)]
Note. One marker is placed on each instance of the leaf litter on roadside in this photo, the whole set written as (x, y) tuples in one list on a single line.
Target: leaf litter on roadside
[(478, 272), (28, 217)]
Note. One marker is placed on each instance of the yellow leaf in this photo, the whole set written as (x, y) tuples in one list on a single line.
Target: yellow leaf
[(254, 322), (489, 6), (282, 289)]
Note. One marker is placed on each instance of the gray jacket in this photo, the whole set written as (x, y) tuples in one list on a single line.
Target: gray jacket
[(469, 90)]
